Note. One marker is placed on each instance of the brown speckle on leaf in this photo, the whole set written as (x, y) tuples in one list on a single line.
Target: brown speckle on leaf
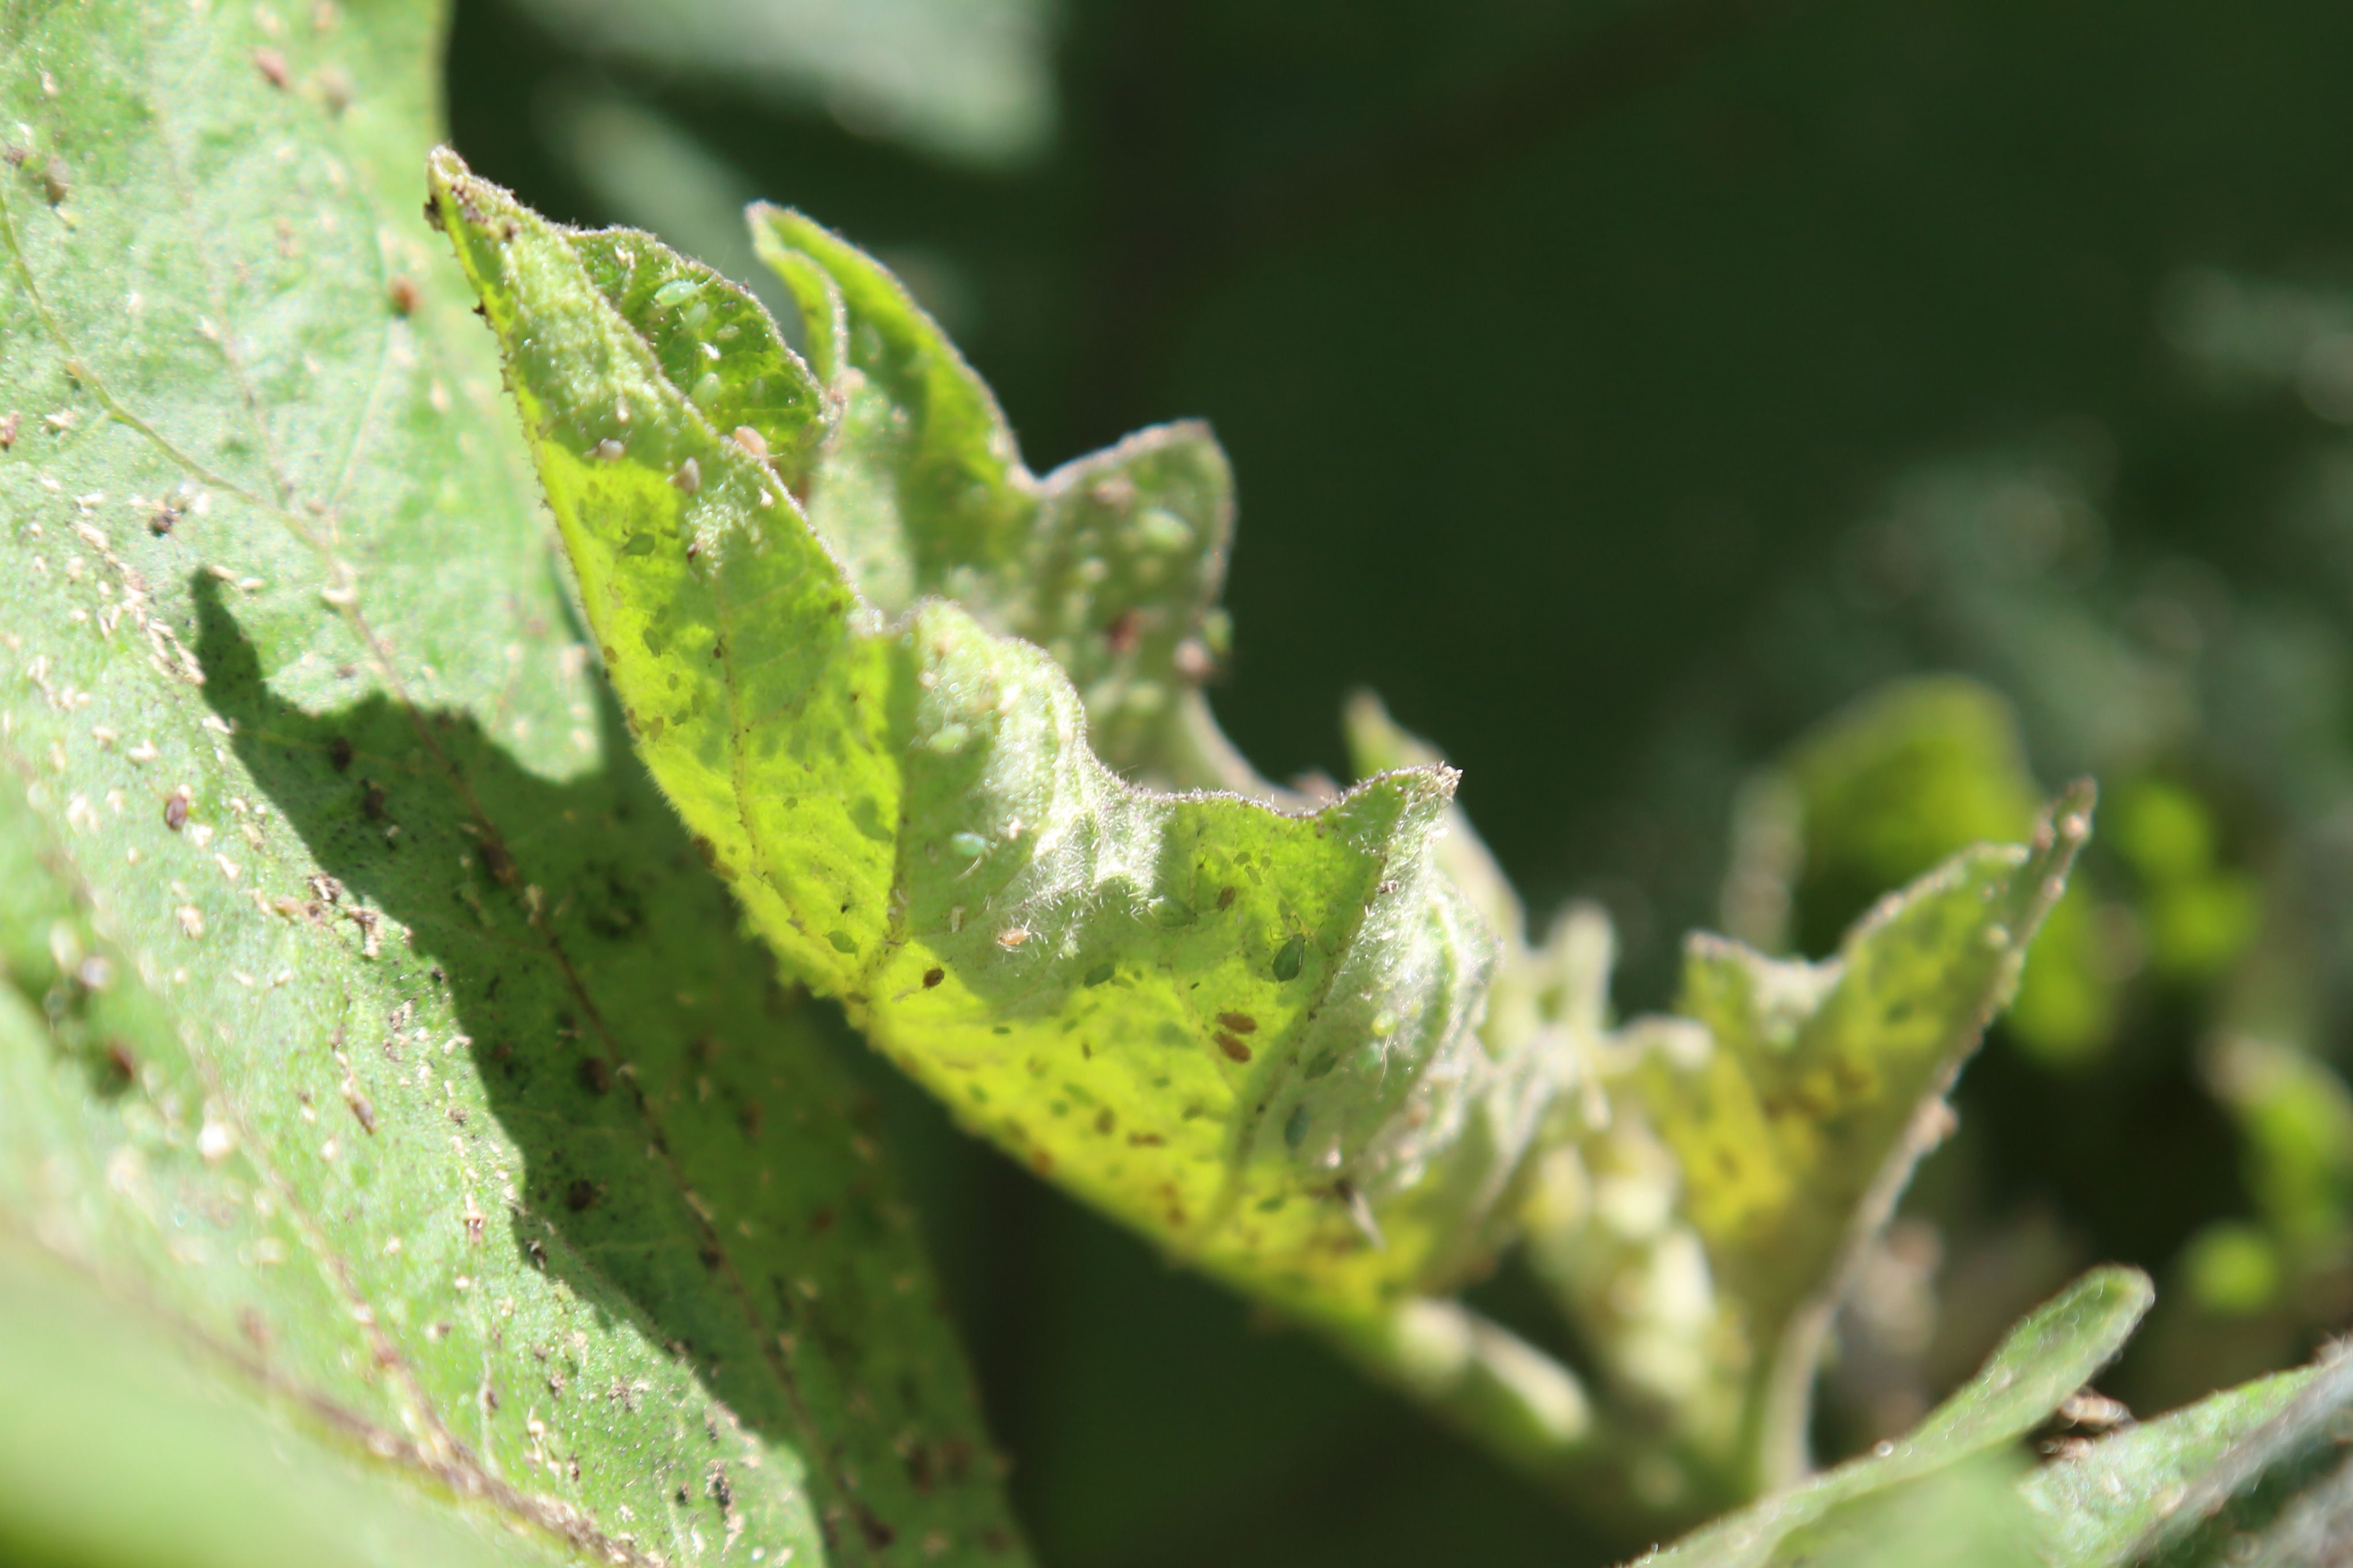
[(175, 810), (596, 1074), (1239, 1022), (932, 977), (339, 753), (372, 803), (271, 65), (1233, 1048), (580, 1195), (404, 294), (8, 430)]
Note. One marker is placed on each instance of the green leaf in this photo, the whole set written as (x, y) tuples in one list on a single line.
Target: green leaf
[(1880, 793), (1861, 1506), (971, 80), (1245, 1028), (1750, 1158), (366, 1019), (2202, 1484), (103, 1398)]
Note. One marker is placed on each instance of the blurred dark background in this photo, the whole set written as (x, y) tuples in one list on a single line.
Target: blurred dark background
[(1648, 399)]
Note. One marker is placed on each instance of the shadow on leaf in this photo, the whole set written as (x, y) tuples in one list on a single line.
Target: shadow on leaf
[(692, 1153)]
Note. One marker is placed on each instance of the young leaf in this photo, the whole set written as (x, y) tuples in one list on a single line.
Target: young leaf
[(2046, 1358), (1247, 1030), (1750, 1159), (2200, 1485), (365, 1017)]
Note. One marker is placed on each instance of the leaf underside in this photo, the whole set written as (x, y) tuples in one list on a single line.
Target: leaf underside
[(866, 657), (369, 1027), (936, 721)]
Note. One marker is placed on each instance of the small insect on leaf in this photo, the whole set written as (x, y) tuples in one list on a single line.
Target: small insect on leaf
[(1288, 959)]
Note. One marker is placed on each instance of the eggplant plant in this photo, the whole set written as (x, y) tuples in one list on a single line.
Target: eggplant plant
[(430, 945)]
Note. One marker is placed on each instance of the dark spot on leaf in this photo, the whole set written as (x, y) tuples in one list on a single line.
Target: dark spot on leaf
[(932, 977), (403, 296), (339, 752), (175, 810), (1225, 897), (1100, 974), (1239, 1022), (1323, 1063), (372, 804), (1295, 1129), (878, 1534), (580, 1194), (596, 1074), (1232, 1046)]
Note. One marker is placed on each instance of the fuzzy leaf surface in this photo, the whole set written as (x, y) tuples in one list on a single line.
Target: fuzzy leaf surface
[(1858, 1511), (2259, 1463), (1245, 1028), (366, 1023)]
